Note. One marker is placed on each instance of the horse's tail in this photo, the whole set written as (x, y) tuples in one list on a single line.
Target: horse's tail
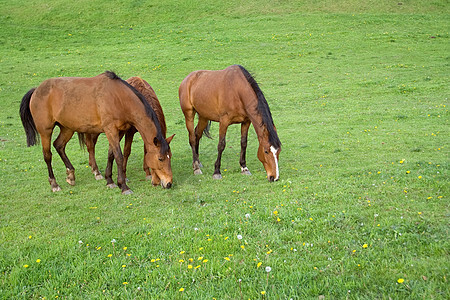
[(263, 109), (206, 130), (82, 140), (27, 118)]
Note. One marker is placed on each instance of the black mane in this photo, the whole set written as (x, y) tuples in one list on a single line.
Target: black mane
[(263, 109), (148, 110)]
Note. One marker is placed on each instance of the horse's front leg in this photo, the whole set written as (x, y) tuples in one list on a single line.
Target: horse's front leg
[(108, 171), (91, 141), (60, 145), (244, 134), (222, 143), (114, 145)]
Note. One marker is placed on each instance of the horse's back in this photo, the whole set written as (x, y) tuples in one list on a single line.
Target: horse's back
[(213, 94), (76, 102)]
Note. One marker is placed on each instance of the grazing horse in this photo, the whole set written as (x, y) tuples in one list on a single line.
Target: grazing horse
[(229, 96), (104, 103), (91, 139)]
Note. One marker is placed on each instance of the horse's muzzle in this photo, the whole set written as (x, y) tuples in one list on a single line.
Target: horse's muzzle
[(168, 185)]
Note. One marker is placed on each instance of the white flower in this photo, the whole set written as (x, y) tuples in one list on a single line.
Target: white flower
[(239, 237), (113, 241), (247, 216), (80, 242), (268, 269), (196, 229)]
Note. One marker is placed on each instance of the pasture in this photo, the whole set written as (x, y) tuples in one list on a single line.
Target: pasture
[(358, 94)]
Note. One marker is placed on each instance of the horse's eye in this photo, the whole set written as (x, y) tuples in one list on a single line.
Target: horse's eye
[(266, 152)]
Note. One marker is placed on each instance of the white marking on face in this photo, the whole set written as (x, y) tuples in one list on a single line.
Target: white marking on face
[(168, 156), (274, 152)]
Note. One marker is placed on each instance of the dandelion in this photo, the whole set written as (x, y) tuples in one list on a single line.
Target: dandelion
[(38, 260), (239, 237), (242, 246), (189, 266), (247, 216), (29, 237), (113, 241), (365, 246), (109, 255), (263, 292), (25, 266), (181, 289), (275, 212), (182, 252), (401, 280), (259, 264), (205, 261), (227, 258), (181, 261), (268, 269), (124, 266), (125, 283), (200, 258)]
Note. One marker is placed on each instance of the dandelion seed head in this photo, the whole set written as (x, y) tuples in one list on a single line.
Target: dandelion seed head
[(239, 237), (268, 269)]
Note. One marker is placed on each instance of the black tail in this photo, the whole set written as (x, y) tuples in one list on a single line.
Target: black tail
[(263, 109), (27, 118), (82, 140), (206, 130)]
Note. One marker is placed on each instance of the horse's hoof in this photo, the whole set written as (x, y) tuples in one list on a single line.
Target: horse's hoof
[(246, 172), (198, 172), (149, 177), (111, 185), (56, 189), (217, 176), (98, 177), (127, 192), (70, 181)]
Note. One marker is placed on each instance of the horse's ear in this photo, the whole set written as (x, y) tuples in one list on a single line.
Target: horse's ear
[(155, 141), (169, 139)]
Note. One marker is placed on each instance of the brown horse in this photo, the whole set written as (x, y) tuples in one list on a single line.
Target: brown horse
[(104, 103), (91, 139), (229, 96)]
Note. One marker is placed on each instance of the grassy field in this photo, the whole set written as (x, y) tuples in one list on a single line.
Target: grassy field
[(359, 95)]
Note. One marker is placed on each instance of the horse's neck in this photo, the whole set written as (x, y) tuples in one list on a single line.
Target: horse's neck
[(260, 128)]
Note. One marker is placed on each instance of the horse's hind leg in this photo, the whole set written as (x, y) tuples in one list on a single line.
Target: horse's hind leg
[(189, 118), (46, 145), (60, 145), (244, 134), (202, 123), (91, 141)]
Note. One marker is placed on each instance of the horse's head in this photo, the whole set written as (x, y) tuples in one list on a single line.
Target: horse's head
[(268, 155), (159, 164)]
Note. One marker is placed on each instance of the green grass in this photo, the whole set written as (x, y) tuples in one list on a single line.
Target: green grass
[(359, 95)]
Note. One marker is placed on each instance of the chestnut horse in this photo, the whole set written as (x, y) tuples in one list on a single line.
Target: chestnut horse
[(104, 103), (229, 96), (91, 139)]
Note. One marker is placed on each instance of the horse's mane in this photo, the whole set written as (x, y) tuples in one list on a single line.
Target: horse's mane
[(148, 110), (263, 109)]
